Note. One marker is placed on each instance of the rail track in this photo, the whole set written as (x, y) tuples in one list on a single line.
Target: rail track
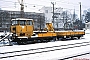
[(74, 56), (10, 54)]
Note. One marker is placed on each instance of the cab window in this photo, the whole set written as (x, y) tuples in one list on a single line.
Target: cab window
[(22, 22), (14, 22), (29, 22)]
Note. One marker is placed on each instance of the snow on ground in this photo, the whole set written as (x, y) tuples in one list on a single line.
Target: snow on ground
[(84, 57), (40, 45), (53, 55), (3, 39)]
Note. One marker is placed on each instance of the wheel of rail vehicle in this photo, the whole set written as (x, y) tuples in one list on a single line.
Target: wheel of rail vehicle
[(63, 39), (78, 37), (53, 40), (72, 38)]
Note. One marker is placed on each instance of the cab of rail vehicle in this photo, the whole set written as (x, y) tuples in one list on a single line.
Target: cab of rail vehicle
[(21, 27)]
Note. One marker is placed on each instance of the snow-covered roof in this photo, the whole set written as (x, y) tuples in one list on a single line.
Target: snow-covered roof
[(22, 19)]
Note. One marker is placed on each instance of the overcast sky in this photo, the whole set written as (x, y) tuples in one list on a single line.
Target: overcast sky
[(35, 5)]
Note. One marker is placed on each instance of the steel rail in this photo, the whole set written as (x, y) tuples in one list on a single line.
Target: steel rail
[(86, 53), (43, 48)]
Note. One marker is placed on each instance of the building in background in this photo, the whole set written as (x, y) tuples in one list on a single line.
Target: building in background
[(6, 16), (87, 25), (58, 17)]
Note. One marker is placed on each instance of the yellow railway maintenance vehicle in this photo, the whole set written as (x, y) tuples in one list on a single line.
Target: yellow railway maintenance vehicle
[(23, 32)]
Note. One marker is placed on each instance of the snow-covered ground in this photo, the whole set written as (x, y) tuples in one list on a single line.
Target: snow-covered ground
[(3, 38), (84, 57), (52, 55)]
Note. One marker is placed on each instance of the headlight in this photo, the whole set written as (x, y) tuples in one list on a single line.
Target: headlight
[(14, 34)]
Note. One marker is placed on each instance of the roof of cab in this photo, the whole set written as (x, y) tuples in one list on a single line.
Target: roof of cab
[(22, 19)]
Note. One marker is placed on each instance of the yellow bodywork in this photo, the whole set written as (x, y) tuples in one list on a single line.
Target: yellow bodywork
[(49, 27), (70, 33), (47, 34), (26, 30), (50, 31), (22, 27)]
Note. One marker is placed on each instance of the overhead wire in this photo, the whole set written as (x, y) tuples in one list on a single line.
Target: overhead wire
[(35, 5)]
